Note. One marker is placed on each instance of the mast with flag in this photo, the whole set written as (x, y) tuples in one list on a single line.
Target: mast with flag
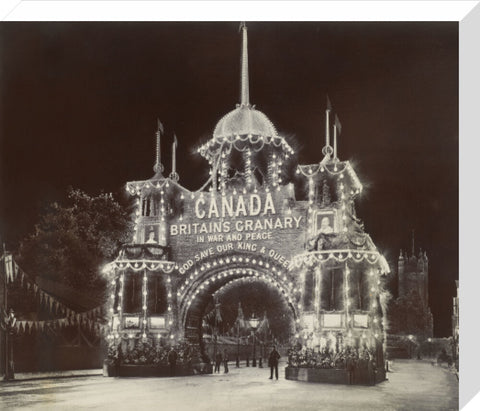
[(327, 122), (174, 175), (327, 149), (336, 128), (158, 167)]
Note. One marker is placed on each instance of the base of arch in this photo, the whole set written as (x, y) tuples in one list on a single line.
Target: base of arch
[(333, 376), (156, 371)]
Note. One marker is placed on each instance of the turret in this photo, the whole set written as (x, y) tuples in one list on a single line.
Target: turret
[(157, 200)]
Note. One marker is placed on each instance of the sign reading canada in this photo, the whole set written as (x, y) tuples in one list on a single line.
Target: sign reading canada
[(258, 222)]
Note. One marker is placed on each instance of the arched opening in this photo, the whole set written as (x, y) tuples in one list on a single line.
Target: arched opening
[(262, 289)]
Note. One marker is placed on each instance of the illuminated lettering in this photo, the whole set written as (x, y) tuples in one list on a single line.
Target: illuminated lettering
[(278, 223), (227, 207), (288, 222), (297, 221), (269, 206), (199, 212), (255, 204), (241, 206), (213, 210)]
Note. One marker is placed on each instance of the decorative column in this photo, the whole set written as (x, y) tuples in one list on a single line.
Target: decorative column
[(311, 190), (223, 173), (144, 304), (318, 280), (248, 166), (346, 299), (343, 201)]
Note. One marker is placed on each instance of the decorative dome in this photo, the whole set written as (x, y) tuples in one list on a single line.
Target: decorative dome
[(243, 128), (244, 120)]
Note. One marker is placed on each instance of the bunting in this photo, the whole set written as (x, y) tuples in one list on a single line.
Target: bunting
[(87, 318), (13, 271), (264, 325), (27, 327)]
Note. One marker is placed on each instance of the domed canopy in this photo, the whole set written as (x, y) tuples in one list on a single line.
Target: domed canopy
[(244, 120), (244, 127)]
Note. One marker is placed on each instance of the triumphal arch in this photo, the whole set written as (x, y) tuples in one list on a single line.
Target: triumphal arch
[(248, 221)]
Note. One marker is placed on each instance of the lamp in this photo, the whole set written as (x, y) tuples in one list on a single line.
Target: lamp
[(9, 321), (254, 321)]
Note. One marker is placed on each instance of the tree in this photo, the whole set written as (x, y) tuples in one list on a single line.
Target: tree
[(72, 242), (408, 315)]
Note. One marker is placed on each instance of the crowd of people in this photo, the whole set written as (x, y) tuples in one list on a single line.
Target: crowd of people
[(358, 362), (352, 359), (148, 353)]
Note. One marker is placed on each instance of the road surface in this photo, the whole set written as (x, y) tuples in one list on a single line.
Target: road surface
[(413, 385)]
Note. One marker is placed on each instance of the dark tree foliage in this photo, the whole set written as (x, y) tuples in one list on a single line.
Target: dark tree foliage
[(408, 315), (72, 242)]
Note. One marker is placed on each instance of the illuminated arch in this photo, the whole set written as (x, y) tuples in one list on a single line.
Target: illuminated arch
[(215, 273)]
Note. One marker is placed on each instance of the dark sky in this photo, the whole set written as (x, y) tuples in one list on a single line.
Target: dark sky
[(79, 103)]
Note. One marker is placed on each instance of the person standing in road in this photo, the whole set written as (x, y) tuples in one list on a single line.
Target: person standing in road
[(218, 361), (172, 361), (225, 361), (350, 365), (273, 362)]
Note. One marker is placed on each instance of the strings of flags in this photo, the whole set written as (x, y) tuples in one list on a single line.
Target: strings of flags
[(70, 317), (27, 327)]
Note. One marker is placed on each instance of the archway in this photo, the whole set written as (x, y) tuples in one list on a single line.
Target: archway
[(217, 274)]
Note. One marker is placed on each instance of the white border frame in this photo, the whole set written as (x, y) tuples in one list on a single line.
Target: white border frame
[(465, 12)]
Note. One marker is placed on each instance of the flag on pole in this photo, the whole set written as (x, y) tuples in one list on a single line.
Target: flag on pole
[(15, 269), (218, 316), (160, 126), (329, 104), (338, 125), (264, 325), (9, 267), (240, 320)]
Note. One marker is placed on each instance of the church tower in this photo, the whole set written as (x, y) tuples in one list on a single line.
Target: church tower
[(413, 274)]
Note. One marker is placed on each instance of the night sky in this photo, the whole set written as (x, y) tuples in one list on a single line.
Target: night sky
[(80, 101)]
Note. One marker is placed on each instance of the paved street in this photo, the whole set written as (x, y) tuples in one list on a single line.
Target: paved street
[(412, 386)]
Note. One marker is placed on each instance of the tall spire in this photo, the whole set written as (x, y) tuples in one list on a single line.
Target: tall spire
[(158, 166), (327, 122), (244, 87), (327, 150)]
